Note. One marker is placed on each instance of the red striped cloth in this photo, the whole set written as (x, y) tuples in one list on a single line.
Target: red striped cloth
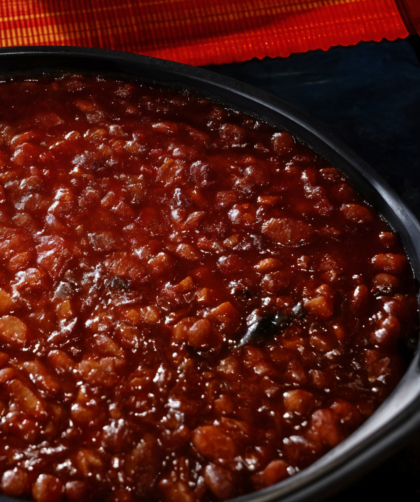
[(201, 32)]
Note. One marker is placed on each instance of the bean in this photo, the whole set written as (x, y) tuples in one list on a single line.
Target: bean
[(13, 331), (324, 428), (299, 401), (176, 491), (387, 331), (389, 262), (213, 443), (283, 143), (26, 400), (77, 491), (199, 334), (356, 213), (14, 482), (221, 482), (386, 284), (232, 133), (320, 306), (47, 488), (275, 472), (288, 231), (275, 282)]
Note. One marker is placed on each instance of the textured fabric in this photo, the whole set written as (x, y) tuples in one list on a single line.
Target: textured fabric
[(410, 13), (201, 32)]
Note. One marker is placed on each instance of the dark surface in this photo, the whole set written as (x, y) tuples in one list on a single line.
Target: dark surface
[(370, 96)]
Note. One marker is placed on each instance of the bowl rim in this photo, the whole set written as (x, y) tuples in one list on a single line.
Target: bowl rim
[(398, 417)]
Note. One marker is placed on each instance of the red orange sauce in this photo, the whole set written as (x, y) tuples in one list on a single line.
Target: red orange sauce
[(140, 228)]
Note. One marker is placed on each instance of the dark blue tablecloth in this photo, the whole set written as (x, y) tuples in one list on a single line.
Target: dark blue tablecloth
[(370, 96)]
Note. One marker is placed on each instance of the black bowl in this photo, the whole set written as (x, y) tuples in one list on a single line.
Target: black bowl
[(399, 416)]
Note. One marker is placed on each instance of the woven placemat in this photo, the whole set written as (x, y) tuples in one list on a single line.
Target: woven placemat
[(200, 32)]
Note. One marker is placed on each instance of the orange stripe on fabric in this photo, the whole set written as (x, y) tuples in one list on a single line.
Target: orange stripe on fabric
[(222, 11)]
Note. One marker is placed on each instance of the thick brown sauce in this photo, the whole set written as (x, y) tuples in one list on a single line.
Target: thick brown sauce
[(141, 232)]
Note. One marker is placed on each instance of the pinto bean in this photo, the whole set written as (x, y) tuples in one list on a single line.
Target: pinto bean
[(13, 331), (283, 142), (14, 482), (77, 491), (222, 483), (387, 331), (386, 283), (47, 488), (288, 231), (176, 491), (324, 428), (320, 306), (26, 400), (299, 401), (356, 213), (274, 472), (213, 443), (391, 263)]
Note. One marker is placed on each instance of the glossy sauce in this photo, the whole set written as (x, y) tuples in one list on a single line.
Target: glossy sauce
[(142, 232)]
